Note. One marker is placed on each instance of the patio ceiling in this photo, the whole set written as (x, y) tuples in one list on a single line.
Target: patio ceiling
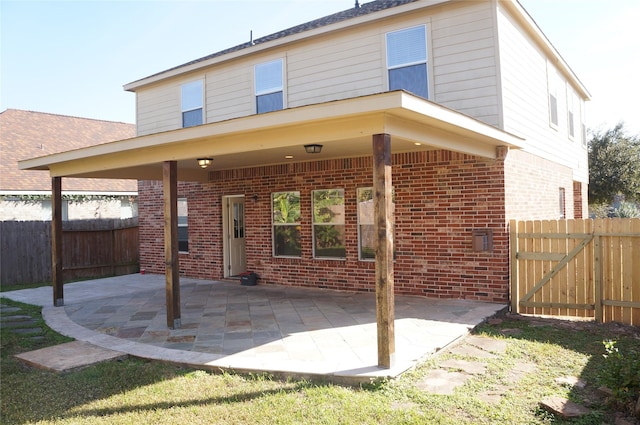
[(343, 127)]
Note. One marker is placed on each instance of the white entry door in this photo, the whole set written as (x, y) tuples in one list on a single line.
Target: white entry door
[(235, 243)]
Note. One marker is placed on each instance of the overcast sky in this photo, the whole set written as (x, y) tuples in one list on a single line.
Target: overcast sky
[(73, 57)]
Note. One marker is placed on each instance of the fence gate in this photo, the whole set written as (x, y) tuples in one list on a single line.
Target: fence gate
[(580, 268)]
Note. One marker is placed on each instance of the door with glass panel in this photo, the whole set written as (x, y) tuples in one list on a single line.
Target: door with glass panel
[(235, 248)]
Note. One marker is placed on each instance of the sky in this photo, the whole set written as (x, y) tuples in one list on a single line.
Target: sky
[(73, 57)]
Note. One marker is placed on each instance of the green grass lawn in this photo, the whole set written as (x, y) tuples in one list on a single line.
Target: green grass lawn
[(133, 391)]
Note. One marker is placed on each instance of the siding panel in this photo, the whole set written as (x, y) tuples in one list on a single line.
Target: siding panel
[(465, 61), (525, 100)]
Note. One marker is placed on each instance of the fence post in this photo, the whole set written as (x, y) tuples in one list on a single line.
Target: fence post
[(513, 248), (597, 265)]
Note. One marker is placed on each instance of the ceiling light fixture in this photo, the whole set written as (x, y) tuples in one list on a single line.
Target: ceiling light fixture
[(313, 148), (205, 162)]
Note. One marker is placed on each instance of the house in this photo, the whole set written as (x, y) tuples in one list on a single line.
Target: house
[(26, 195), (449, 117)]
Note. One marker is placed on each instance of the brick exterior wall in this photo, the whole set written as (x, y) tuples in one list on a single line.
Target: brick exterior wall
[(532, 186), (580, 196), (441, 197)]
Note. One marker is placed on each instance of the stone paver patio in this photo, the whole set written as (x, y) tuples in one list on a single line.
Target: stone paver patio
[(266, 328)]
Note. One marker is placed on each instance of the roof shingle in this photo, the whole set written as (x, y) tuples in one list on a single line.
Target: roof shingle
[(27, 134)]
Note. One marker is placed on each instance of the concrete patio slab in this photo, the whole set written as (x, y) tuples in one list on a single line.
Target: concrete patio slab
[(285, 331)]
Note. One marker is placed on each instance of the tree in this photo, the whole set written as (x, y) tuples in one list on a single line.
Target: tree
[(614, 166)]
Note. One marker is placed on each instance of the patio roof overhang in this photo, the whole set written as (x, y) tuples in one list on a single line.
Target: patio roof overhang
[(343, 127)]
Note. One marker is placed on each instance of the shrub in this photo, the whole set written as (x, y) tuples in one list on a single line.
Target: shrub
[(621, 374)]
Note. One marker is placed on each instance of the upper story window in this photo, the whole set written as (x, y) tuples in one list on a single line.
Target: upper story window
[(571, 116), (269, 87), (407, 60), (191, 104), (552, 87)]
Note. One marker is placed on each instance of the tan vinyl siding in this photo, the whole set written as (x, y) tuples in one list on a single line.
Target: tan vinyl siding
[(525, 71), (158, 108), (229, 92), (336, 68), (351, 63), (464, 61)]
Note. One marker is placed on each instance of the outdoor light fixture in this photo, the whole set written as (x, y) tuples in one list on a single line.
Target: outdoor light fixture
[(313, 148), (205, 162)]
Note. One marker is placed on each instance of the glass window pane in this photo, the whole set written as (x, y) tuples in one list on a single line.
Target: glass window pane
[(329, 241), (269, 102), (367, 242), (328, 206), (192, 118), (553, 105), (286, 207), (192, 95), (287, 241), (268, 77), (286, 224), (366, 234), (328, 219), (410, 78), (407, 46)]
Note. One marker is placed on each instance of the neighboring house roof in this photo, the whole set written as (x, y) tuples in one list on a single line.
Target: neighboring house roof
[(27, 134)]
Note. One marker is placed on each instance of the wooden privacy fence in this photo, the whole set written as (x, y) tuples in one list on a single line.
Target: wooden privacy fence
[(91, 249), (581, 268)]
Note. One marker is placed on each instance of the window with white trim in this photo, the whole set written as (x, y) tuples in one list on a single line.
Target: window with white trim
[(562, 203), (328, 224), (552, 87), (183, 225), (285, 218), (191, 104), (366, 217), (571, 117), (407, 60), (269, 87)]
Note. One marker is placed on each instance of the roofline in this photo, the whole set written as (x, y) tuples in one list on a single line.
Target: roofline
[(272, 41), (398, 113), (532, 28)]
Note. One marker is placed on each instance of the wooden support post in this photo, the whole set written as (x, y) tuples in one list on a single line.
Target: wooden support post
[(56, 241), (383, 224), (515, 285), (172, 268)]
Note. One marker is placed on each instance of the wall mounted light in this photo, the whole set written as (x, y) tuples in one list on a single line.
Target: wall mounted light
[(313, 148), (205, 162)]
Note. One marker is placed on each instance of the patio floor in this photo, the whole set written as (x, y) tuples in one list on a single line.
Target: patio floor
[(285, 331)]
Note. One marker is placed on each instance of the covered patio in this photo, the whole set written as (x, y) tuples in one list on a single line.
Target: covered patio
[(299, 332), (377, 125)]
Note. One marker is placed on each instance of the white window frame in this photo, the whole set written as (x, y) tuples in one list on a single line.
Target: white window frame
[(190, 102), (553, 98), (271, 84), (275, 224), (359, 223), (419, 60), (315, 224), (571, 115), (183, 211)]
